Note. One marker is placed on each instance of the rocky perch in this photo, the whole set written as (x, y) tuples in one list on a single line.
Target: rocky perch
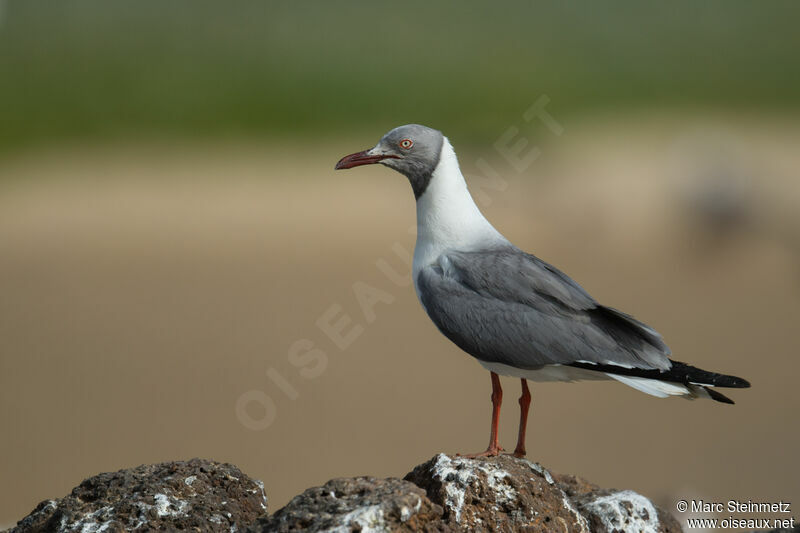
[(444, 494), (196, 495)]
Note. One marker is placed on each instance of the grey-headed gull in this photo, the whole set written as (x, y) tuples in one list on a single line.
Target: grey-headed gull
[(517, 315)]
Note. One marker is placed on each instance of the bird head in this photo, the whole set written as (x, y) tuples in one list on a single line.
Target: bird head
[(412, 150)]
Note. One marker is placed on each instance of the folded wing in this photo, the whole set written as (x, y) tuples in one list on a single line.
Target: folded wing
[(506, 306)]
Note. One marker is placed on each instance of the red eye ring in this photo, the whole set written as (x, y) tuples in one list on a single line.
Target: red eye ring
[(405, 144)]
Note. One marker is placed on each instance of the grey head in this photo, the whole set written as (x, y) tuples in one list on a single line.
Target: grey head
[(413, 150)]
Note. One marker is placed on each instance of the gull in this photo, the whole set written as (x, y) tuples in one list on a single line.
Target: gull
[(516, 314)]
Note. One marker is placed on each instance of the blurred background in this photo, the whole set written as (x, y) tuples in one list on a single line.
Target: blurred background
[(171, 226)]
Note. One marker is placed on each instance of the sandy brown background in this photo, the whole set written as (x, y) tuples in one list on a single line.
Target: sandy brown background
[(145, 288)]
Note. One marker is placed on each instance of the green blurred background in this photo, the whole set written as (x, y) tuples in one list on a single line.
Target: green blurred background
[(98, 69), (170, 224)]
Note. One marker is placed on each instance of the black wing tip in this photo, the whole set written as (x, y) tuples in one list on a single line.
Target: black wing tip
[(737, 383), (718, 396), (679, 373), (699, 376)]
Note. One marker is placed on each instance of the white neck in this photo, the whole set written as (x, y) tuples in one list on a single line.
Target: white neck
[(447, 217)]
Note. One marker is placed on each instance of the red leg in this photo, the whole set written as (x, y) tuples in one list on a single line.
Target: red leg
[(497, 400), (524, 404)]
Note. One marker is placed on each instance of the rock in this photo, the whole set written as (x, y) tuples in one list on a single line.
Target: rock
[(445, 494), (499, 493), (609, 510), (612, 510), (450, 494), (508, 494), (356, 504), (197, 495)]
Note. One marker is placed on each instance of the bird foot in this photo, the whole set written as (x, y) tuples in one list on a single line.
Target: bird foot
[(491, 451), (519, 454)]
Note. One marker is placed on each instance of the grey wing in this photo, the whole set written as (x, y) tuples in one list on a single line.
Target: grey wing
[(509, 307)]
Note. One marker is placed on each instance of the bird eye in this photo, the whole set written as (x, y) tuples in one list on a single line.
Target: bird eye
[(406, 144)]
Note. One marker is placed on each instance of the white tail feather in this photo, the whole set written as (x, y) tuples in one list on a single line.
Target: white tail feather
[(654, 387)]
